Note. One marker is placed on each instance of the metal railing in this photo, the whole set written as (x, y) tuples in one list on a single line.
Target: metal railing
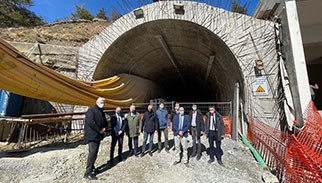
[(224, 108)]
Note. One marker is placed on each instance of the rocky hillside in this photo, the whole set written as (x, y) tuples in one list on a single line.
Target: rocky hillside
[(66, 33)]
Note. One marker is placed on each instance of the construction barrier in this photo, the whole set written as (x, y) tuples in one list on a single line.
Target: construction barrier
[(293, 158), (304, 159)]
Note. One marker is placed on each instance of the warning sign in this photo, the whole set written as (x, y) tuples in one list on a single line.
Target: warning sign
[(260, 86)]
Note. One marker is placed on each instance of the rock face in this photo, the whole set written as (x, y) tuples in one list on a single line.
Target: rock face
[(66, 163), (67, 33)]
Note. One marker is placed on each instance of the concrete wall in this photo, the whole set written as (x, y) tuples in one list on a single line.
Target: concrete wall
[(63, 59)]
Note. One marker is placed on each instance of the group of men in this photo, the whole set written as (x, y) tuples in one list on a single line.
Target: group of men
[(159, 121)]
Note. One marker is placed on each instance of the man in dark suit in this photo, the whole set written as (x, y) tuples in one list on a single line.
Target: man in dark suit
[(95, 126), (180, 132), (215, 131), (197, 126), (150, 125), (118, 126)]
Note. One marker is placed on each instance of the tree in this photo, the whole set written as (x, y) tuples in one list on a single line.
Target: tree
[(237, 7), (102, 14), (115, 14), (81, 13), (14, 13)]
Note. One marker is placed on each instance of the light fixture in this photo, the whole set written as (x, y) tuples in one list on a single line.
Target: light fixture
[(178, 8), (259, 64), (138, 13)]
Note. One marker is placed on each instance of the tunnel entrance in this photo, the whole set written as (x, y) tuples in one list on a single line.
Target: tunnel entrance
[(187, 61)]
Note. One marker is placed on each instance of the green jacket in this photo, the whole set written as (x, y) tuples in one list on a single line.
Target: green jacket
[(134, 124)]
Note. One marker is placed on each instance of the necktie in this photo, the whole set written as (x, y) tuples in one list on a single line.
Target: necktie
[(120, 122)]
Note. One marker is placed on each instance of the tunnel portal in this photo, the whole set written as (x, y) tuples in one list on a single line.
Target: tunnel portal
[(187, 61)]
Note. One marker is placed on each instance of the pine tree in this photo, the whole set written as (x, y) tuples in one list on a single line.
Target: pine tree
[(102, 14), (14, 13), (237, 7), (115, 14), (81, 13)]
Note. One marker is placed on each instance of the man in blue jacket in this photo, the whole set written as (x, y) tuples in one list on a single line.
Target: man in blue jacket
[(118, 126), (95, 126), (180, 131), (164, 124)]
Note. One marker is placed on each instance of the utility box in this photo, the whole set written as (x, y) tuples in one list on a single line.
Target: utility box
[(10, 104)]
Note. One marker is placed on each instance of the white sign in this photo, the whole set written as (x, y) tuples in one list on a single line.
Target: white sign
[(260, 86)]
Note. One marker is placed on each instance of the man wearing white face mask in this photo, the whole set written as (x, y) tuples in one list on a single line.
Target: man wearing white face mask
[(196, 129), (215, 131), (180, 132), (164, 125), (95, 126)]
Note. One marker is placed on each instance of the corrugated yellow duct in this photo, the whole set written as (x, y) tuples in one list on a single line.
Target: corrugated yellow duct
[(20, 75)]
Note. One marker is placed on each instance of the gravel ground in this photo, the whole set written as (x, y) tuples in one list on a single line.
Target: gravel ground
[(66, 163)]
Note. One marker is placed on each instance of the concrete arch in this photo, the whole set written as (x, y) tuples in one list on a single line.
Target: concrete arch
[(241, 39)]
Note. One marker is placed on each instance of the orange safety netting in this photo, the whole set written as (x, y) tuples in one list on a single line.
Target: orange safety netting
[(22, 76), (293, 158)]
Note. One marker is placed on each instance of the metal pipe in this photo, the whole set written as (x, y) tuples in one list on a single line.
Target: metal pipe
[(254, 151), (234, 135)]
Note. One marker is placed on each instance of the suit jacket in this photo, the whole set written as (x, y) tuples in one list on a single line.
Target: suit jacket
[(150, 122), (134, 124), (219, 127), (116, 125), (185, 126), (200, 124), (95, 120)]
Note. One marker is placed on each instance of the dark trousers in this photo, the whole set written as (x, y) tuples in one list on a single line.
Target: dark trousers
[(165, 132), (145, 138), (218, 152), (133, 141), (196, 144), (92, 155), (116, 139)]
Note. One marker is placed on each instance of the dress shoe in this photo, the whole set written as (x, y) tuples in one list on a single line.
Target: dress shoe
[(186, 164), (90, 177), (176, 162), (141, 155), (211, 161), (193, 155), (220, 162), (150, 153), (167, 150), (198, 157), (97, 171)]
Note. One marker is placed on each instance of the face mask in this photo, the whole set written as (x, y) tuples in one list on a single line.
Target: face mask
[(118, 112), (181, 113), (194, 108), (176, 108), (161, 106), (212, 112), (100, 105)]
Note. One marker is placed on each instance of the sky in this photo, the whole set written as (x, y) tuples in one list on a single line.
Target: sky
[(52, 10)]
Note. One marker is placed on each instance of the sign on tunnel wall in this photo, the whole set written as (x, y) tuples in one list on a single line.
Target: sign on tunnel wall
[(260, 86)]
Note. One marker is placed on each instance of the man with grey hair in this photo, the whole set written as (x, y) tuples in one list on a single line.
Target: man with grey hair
[(95, 126), (134, 125)]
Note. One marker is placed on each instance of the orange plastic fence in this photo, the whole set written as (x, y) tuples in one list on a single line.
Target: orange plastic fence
[(294, 158)]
